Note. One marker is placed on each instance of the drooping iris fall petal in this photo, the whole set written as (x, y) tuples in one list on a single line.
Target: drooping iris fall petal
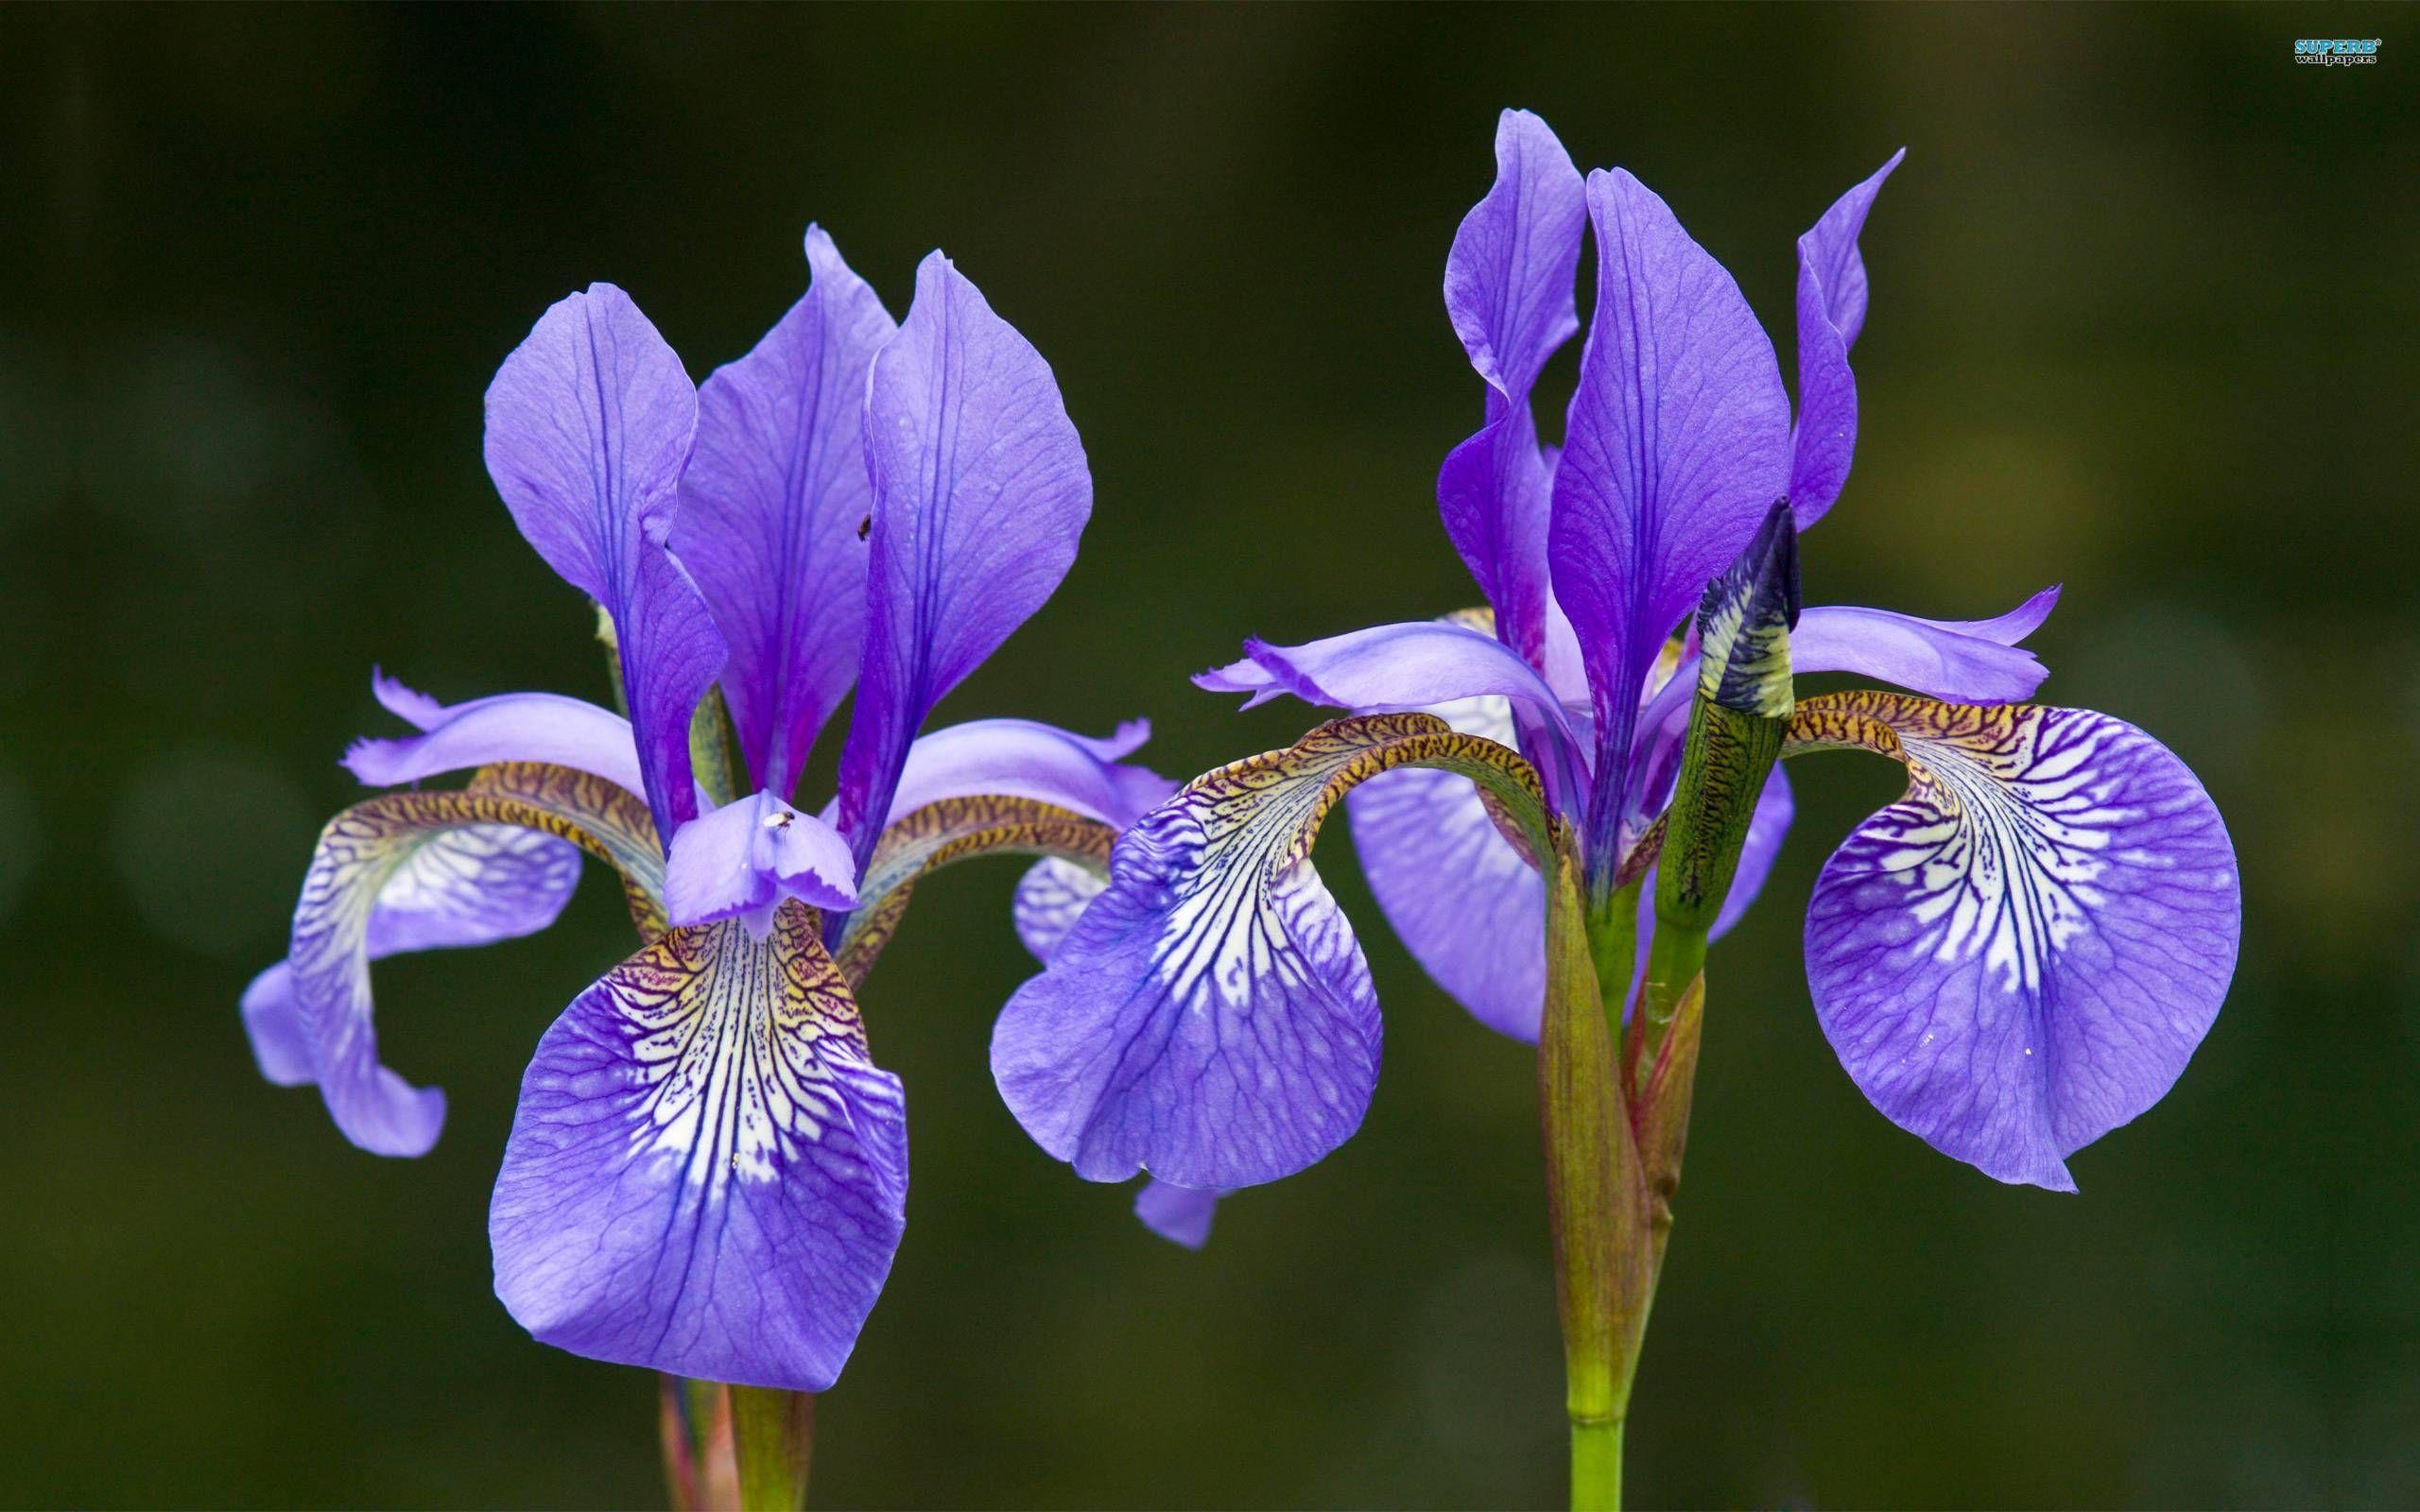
[(1210, 1017), (770, 511), (707, 1175), (2022, 952), (589, 424), (474, 886), (980, 492), (387, 842)]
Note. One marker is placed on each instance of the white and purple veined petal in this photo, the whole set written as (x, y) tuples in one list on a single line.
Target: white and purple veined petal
[(469, 886), (589, 424), (1677, 446), (1831, 312), (1050, 897), (980, 494), (772, 509), (743, 859), (2021, 953), (460, 871), (1509, 292), (1210, 1016), (707, 1175)]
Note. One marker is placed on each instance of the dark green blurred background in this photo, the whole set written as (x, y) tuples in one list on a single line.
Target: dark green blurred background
[(2144, 321)]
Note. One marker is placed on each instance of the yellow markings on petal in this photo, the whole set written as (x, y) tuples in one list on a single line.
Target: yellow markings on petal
[(601, 817), (737, 1043), (959, 829), (2001, 837)]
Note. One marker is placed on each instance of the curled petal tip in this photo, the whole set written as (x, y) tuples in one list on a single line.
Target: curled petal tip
[(743, 859)]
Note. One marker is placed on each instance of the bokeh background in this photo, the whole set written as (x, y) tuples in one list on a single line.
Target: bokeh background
[(2144, 321)]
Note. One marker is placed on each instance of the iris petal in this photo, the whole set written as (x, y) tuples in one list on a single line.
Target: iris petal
[(1390, 668), (1179, 1214), (744, 858), (1025, 758), (1831, 312), (1051, 895), (431, 850), (1460, 899), (467, 887), (509, 727), (770, 509), (707, 1175), (1509, 293), (980, 492), (1677, 446), (2022, 952), (1210, 1016), (589, 423)]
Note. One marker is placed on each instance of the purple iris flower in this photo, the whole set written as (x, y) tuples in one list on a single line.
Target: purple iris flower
[(2017, 956), (707, 1173)]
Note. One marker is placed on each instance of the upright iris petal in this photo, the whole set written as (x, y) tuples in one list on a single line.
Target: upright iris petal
[(1831, 312), (1677, 446), (589, 423), (980, 492), (1509, 292), (771, 510), (2022, 952)]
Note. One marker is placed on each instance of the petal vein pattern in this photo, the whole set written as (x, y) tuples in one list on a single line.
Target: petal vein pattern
[(1210, 1016), (707, 1175), (364, 852), (2023, 952)]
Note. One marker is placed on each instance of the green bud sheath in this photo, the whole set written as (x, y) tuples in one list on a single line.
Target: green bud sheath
[(1736, 727)]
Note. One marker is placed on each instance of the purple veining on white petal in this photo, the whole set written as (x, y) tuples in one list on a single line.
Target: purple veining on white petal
[(707, 1176), (2022, 953)]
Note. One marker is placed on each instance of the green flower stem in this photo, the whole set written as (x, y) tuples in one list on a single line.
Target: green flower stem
[(775, 1436), (1596, 1189), (1597, 1465)]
